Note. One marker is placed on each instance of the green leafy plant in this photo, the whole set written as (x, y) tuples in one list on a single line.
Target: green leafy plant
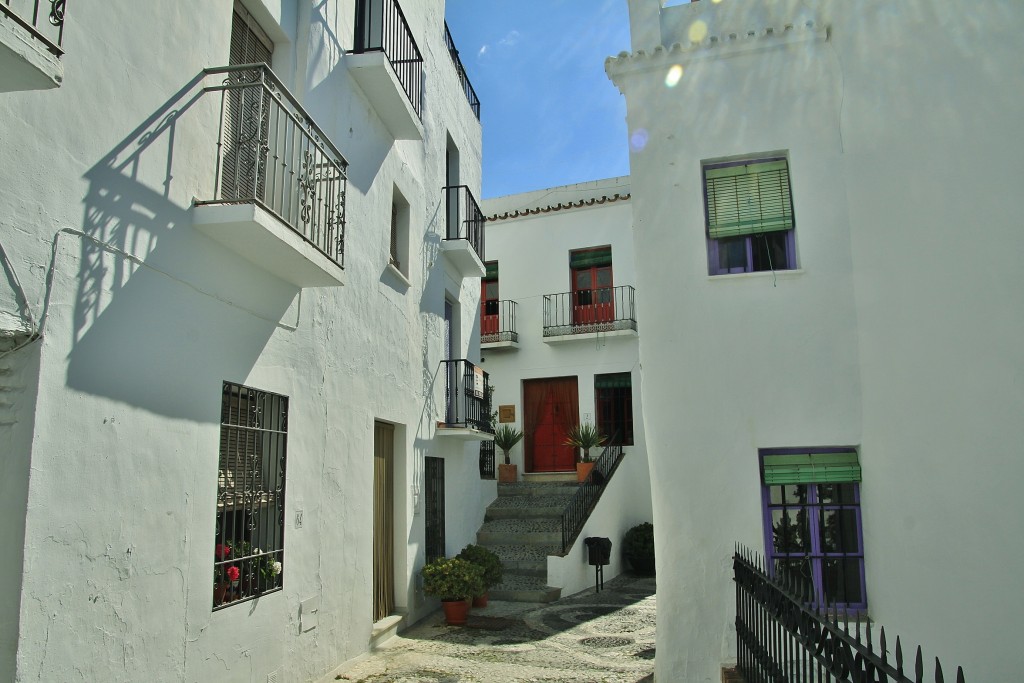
[(452, 578), (505, 438), (486, 560), (585, 437), (638, 548)]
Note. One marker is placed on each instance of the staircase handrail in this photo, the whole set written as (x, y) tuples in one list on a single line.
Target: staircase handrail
[(585, 499)]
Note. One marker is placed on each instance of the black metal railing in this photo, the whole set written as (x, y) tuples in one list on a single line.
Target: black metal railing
[(467, 87), (487, 460), (498, 322), (271, 153), (381, 27), (781, 637), (47, 28), (467, 399), (465, 220), (583, 502), (590, 310)]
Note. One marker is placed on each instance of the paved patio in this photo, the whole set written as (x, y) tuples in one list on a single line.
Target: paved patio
[(606, 637)]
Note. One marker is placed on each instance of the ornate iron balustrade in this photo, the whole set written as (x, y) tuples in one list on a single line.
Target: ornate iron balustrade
[(583, 502), (499, 326), (590, 310), (779, 637), (467, 87), (467, 397), (487, 460), (381, 27), (465, 219), (270, 152), (26, 14)]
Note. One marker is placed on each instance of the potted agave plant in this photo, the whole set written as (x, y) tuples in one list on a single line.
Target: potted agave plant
[(584, 436), (505, 438), (491, 565), (453, 580)]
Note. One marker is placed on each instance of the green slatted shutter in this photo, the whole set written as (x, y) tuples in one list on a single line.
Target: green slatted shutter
[(492, 270), (590, 258), (748, 199), (811, 468)]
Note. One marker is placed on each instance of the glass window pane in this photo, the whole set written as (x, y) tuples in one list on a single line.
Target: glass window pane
[(788, 494), (799, 570), (842, 581), (790, 532), (836, 494), (732, 255), (491, 289), (770, 250), (839, 530), (604, 277), (583, 279)]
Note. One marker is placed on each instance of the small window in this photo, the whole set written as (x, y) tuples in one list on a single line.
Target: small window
[(749, 210), (248, 554), (398, 249), (813, 528), (613, 396)]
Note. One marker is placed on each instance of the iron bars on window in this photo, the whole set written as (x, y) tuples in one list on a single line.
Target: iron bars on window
[(249, 537), (381, 27), (487, 460), (465, 220), (585, 499), (467, 87), (270, 152), (779, 637), (26, 13), (607, 309), (467, 399), (498, 322)]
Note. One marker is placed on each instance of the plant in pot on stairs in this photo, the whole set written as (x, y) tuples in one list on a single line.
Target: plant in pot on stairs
[(490, 563), (453, 580), (505, 438), (584, 436)]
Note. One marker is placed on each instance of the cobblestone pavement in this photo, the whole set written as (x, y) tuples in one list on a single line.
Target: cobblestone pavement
[(607, 637)]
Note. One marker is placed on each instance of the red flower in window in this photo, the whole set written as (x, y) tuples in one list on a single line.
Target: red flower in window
[(221, 551), (233, 573)]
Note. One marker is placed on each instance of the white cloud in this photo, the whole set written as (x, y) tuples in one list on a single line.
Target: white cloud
[(482, 52), (510, 39)]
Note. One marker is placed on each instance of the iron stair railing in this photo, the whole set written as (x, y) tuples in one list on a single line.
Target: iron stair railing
[(586, 498)]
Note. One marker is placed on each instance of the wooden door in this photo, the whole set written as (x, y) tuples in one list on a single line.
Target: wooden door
[(592, 300), (489, 323), (383, 520), (552, 409)]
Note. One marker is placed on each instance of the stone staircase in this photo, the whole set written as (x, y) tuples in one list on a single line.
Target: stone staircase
[(522, 527)]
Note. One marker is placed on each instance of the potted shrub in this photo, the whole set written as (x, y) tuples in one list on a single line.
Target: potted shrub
[(453, 580), (638, 548), (491, 565), (505, 437), (584, 437)]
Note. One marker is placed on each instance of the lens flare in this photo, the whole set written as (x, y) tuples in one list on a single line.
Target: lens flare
[(698, 31), (673, 76), (638, 140)]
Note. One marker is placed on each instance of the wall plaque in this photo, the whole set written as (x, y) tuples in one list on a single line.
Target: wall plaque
[(506, 413)]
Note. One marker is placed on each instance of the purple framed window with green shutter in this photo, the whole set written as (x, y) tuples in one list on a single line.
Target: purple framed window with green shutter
[(812, 521), (748, 205)]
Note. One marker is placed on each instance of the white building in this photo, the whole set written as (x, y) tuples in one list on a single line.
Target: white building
[(868, 317), (559, 337), (226, 299)]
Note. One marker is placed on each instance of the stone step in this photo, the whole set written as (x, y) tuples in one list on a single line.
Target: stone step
[(520, 532), (566, 490), (517, 588), (551, 477), (527, 507)]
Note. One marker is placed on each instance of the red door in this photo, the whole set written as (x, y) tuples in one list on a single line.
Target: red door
[(552, 408), (592, 300), (489, 323)]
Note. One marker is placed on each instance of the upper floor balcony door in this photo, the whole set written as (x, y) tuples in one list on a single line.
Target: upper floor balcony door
[(489, 321), (592, 295)]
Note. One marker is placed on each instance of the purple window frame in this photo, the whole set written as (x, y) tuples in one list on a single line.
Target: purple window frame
[(816, 556), (714, 267)]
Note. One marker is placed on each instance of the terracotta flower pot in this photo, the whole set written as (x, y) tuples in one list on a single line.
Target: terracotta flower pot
[(480, 600), (456, 612), (508, 474), (583, 470)]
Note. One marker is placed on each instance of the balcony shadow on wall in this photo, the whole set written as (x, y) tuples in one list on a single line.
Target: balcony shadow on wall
[(162, 313)]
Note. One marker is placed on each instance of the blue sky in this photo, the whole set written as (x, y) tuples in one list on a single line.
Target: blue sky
[(550, 115)]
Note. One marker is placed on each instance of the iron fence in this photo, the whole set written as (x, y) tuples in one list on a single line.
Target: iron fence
[(590, 310), (381, 27), (487, 460), (47, 28), (467, 87), (498, 322), (270, 152), (781, 638), (465, 220), (467, 398), (583, 502)]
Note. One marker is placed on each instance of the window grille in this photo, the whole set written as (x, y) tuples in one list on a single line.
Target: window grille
[(249, 538)]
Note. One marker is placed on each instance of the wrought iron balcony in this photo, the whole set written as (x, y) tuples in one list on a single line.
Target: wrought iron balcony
[(274, 162), (498, 324), (467, 400), (31, 39), (464, 234), (467, 87), (382, 39), (589, 311)]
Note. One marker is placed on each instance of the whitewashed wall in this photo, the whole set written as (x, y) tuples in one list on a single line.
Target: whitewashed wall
[(146, 317), (897, 334)]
